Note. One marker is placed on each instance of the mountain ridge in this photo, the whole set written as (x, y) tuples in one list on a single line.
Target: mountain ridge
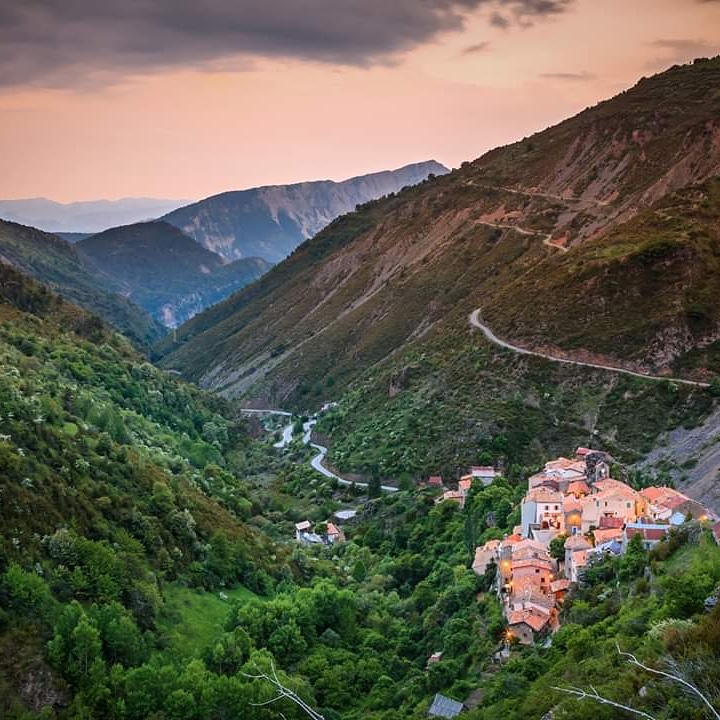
[(272, 220), (165, 271), (374, 280), (58, 264)]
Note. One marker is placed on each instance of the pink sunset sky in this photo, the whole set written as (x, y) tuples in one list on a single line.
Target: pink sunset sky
[(178, 99)]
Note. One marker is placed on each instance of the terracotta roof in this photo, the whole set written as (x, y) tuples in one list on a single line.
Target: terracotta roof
[(577, 542), (583, 451), (532, 562), (533, 619), (657, 494), (527, 543), (538, 478), (332, 529), (465, 484), (611, 523), (615, 486), (648, 531), (304, 525), (543, 494), (603, 535), (571, 504), (578, 487), (559, 463), (559, 585), (435, 480), (512, 539)]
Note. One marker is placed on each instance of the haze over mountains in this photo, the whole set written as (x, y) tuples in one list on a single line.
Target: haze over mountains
[(270, 222), (84, 217), (168, 273)]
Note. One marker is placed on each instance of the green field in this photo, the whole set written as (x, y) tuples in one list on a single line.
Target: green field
[(192, 617)]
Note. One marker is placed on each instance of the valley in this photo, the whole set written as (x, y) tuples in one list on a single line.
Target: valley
[(422, 443)]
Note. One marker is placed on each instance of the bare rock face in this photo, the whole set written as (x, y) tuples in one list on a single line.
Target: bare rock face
[(40, 687), (399, 381)]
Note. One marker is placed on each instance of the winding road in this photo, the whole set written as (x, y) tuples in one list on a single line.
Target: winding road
[(317, 460), (475, 321)]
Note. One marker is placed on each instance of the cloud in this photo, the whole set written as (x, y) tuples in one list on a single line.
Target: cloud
[(568, 76), (477, 48), (680, 50), (76, 42), (499, 21)]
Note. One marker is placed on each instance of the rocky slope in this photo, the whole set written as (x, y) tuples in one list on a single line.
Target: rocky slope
[(492, 234), (164, 271), (270, 222)]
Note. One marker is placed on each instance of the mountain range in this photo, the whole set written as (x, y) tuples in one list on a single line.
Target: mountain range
[(580, 207), (270, 222), (595, 239), (158, 267), (84, 217)]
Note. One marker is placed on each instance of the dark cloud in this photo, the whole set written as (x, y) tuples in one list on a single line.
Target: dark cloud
[(70, 42), (500, 21), (568, 76), (477, 48)]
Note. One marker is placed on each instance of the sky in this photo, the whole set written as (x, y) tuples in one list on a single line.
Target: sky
[(184, 99)]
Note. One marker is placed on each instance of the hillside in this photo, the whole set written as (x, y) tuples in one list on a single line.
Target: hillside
[(138, 576), (382, 296), (56, 263), (270, 222), (164, 271), (115, 483), (90, 216)]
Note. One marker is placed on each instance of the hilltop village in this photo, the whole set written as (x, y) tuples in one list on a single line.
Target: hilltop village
[(572, 514)]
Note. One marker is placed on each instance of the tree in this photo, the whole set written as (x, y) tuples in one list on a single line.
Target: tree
[(593, 694), (556, 549), (374, 486), (634, 560), (85, 648)]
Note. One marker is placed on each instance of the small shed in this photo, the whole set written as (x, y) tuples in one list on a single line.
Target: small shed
[(445, 707)]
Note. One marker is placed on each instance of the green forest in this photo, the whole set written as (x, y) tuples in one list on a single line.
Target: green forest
[(148, 567)]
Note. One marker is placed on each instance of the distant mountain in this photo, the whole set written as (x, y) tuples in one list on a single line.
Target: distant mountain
[(165, 271), (84, 217), (270, 222), (56, 263)]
